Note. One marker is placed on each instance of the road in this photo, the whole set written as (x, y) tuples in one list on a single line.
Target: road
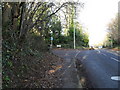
[(101, 66)]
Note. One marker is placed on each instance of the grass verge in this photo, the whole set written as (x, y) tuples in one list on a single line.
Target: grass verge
[(84, 80)]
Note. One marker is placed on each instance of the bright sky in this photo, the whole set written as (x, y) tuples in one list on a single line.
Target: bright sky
[(96, 15)]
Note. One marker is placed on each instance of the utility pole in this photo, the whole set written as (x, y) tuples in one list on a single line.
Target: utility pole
[(51, 38), (74, 25)]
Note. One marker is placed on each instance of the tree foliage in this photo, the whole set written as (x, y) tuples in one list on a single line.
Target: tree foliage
[(114, 31), (26, 33), (80, 37), (25, 28)]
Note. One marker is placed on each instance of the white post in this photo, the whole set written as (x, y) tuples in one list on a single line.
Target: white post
[(51, 38)]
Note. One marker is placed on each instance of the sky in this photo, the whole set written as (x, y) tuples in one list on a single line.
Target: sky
[(95, 16)]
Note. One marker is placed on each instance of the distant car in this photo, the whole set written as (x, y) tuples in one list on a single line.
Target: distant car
[(100, 47), (91, 48)]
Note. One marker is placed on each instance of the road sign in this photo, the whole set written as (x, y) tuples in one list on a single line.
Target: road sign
[(58, 45), (51, 38)]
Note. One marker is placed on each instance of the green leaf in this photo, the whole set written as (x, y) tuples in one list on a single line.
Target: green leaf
[(10, 63), (7, 78)]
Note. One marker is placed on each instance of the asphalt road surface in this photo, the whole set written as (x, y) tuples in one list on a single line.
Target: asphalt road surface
[(101, 66)]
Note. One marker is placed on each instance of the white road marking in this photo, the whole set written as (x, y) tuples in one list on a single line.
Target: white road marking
[(113, 53), (98, 51), (85, 57), (77, 54), (117, 78), (115, 59), (104, 54)]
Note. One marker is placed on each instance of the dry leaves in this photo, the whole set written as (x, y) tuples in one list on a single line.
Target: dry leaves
[(44, 72)]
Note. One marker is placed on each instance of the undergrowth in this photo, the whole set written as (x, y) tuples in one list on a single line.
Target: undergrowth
[(17, 62)]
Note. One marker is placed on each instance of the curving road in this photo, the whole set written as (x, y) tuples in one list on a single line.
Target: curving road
[(101, 66)]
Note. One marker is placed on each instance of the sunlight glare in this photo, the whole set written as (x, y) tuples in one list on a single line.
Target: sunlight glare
[(95, 16)]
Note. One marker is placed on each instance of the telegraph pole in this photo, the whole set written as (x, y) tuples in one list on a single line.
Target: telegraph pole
[(74, 25)]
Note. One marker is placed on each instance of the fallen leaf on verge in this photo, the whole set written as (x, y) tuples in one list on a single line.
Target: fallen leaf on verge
[(51, 71), (57, 67), (25, 80)]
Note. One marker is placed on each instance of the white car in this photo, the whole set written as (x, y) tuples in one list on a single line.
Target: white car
[(100, 47)]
